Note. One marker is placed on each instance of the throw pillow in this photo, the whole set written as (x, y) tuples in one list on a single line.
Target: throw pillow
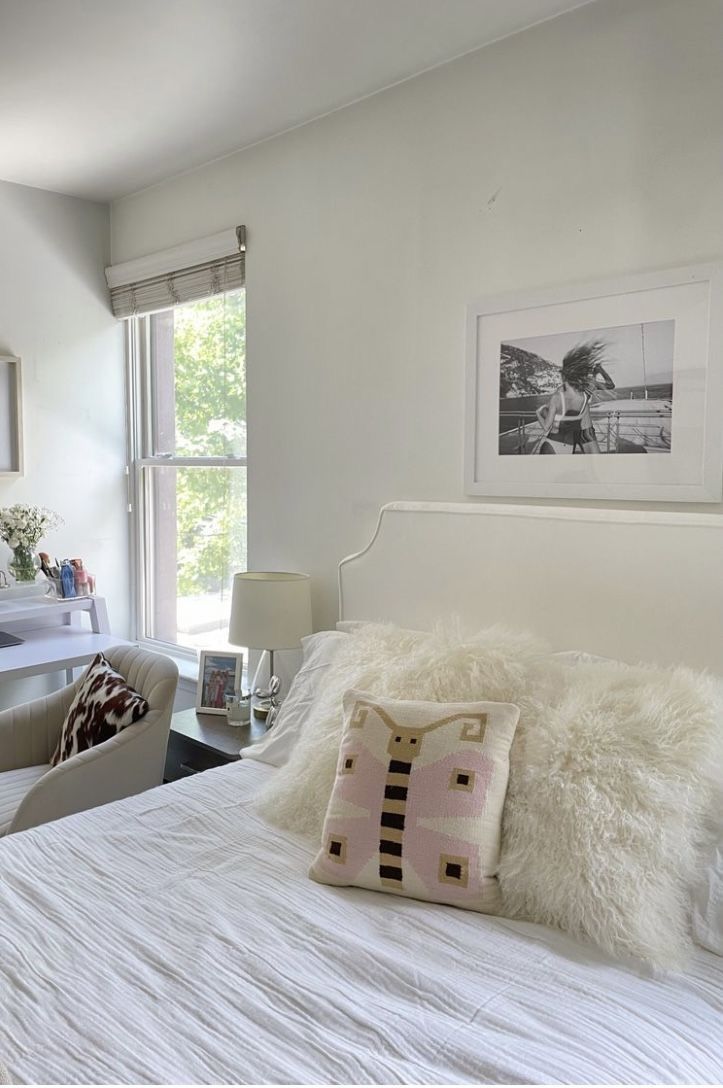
[(103, 705), (441, 666), (707, 888), (417, 803), (609, 794)]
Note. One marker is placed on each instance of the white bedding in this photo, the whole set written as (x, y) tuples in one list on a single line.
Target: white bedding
[(175, 938)]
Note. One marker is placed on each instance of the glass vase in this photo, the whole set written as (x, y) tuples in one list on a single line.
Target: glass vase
[(22, 565)]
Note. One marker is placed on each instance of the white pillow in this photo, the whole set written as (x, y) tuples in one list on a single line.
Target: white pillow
[(708, 903), (319, 651), (708, 891)]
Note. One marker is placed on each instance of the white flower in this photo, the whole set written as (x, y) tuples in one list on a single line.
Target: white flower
[(23, 526)]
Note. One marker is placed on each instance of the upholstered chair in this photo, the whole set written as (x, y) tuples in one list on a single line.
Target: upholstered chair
[(32, 792)]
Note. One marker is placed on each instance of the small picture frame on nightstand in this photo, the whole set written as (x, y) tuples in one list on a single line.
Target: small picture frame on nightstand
[(219, 676)]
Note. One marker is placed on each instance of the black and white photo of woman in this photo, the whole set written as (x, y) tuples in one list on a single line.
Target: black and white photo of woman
[(566, 416)]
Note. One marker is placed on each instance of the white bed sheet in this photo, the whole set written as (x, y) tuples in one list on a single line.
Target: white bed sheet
[(175, 938)]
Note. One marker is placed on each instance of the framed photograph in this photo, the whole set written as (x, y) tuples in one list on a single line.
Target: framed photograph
[(219, 675), (610, 390), (11, 429)]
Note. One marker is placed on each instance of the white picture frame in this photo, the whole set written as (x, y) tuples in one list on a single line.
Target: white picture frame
[(678, 311), (11, 417), (219, 676)]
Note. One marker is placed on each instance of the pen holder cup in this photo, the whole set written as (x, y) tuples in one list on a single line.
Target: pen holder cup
[(81, 591)]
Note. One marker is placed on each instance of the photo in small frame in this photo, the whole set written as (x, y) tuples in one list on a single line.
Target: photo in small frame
[(219, 676)]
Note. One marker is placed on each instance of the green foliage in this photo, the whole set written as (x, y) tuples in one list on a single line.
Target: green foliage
[(209, 340)]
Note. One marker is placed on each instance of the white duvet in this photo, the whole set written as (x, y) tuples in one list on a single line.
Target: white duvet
[(175, 938)]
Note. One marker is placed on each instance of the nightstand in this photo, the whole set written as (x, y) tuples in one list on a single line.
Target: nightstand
[(198, 742)]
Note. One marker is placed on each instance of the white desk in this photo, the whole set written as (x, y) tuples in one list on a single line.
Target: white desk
[(55, 637)]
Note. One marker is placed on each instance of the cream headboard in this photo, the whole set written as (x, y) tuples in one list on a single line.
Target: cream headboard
[(633, 585)]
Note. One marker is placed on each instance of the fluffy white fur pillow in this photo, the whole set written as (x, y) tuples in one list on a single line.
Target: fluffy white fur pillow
[(608, 797), (444, 666)]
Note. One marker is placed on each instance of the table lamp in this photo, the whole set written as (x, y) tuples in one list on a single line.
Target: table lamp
[(270, 610)]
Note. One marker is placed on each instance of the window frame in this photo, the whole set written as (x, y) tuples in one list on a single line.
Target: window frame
[(140, 459)]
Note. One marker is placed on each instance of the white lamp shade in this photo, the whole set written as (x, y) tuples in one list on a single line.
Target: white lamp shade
[(270, 610)]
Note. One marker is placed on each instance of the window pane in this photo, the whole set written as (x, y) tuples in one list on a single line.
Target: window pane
[(195, 543), (198, 377)]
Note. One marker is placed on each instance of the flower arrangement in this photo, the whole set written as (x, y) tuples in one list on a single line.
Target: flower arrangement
[(22, 527)]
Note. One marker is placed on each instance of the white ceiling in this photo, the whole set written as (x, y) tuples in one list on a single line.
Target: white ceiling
[(99, 98)]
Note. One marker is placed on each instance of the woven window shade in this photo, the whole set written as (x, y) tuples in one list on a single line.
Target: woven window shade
[(166, 279)]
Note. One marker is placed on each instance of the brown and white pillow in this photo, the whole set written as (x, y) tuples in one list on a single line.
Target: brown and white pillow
[(103, 705)]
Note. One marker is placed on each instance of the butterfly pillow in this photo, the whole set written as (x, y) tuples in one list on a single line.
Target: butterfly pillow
[(417, 804)]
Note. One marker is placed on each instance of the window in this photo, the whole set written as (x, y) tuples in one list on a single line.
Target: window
[(188, 475)]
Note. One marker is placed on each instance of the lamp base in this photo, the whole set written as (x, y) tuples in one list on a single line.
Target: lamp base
[(270, 703)]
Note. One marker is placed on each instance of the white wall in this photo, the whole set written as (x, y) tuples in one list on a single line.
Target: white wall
[(583, 148), (54, 314)]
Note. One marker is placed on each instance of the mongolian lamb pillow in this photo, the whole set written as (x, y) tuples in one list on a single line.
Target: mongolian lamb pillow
[(610, 793), (103, 705), (442, 666)]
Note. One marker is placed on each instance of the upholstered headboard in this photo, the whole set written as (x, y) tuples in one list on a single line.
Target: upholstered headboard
[(639, 586)]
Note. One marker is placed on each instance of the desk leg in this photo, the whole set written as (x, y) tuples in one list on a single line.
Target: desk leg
[(99, 617)]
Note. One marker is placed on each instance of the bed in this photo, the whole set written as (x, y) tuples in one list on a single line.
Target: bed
[(175, 937)]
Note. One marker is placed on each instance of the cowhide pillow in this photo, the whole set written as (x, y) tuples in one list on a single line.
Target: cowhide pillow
[(103, 705)]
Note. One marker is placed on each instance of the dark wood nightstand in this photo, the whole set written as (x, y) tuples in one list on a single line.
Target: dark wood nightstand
[(198, 742)]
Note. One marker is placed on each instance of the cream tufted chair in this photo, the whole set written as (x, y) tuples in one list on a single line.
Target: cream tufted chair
[(32, 792)]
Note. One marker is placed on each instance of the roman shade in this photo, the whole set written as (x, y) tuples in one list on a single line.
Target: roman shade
[(186, 273)]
